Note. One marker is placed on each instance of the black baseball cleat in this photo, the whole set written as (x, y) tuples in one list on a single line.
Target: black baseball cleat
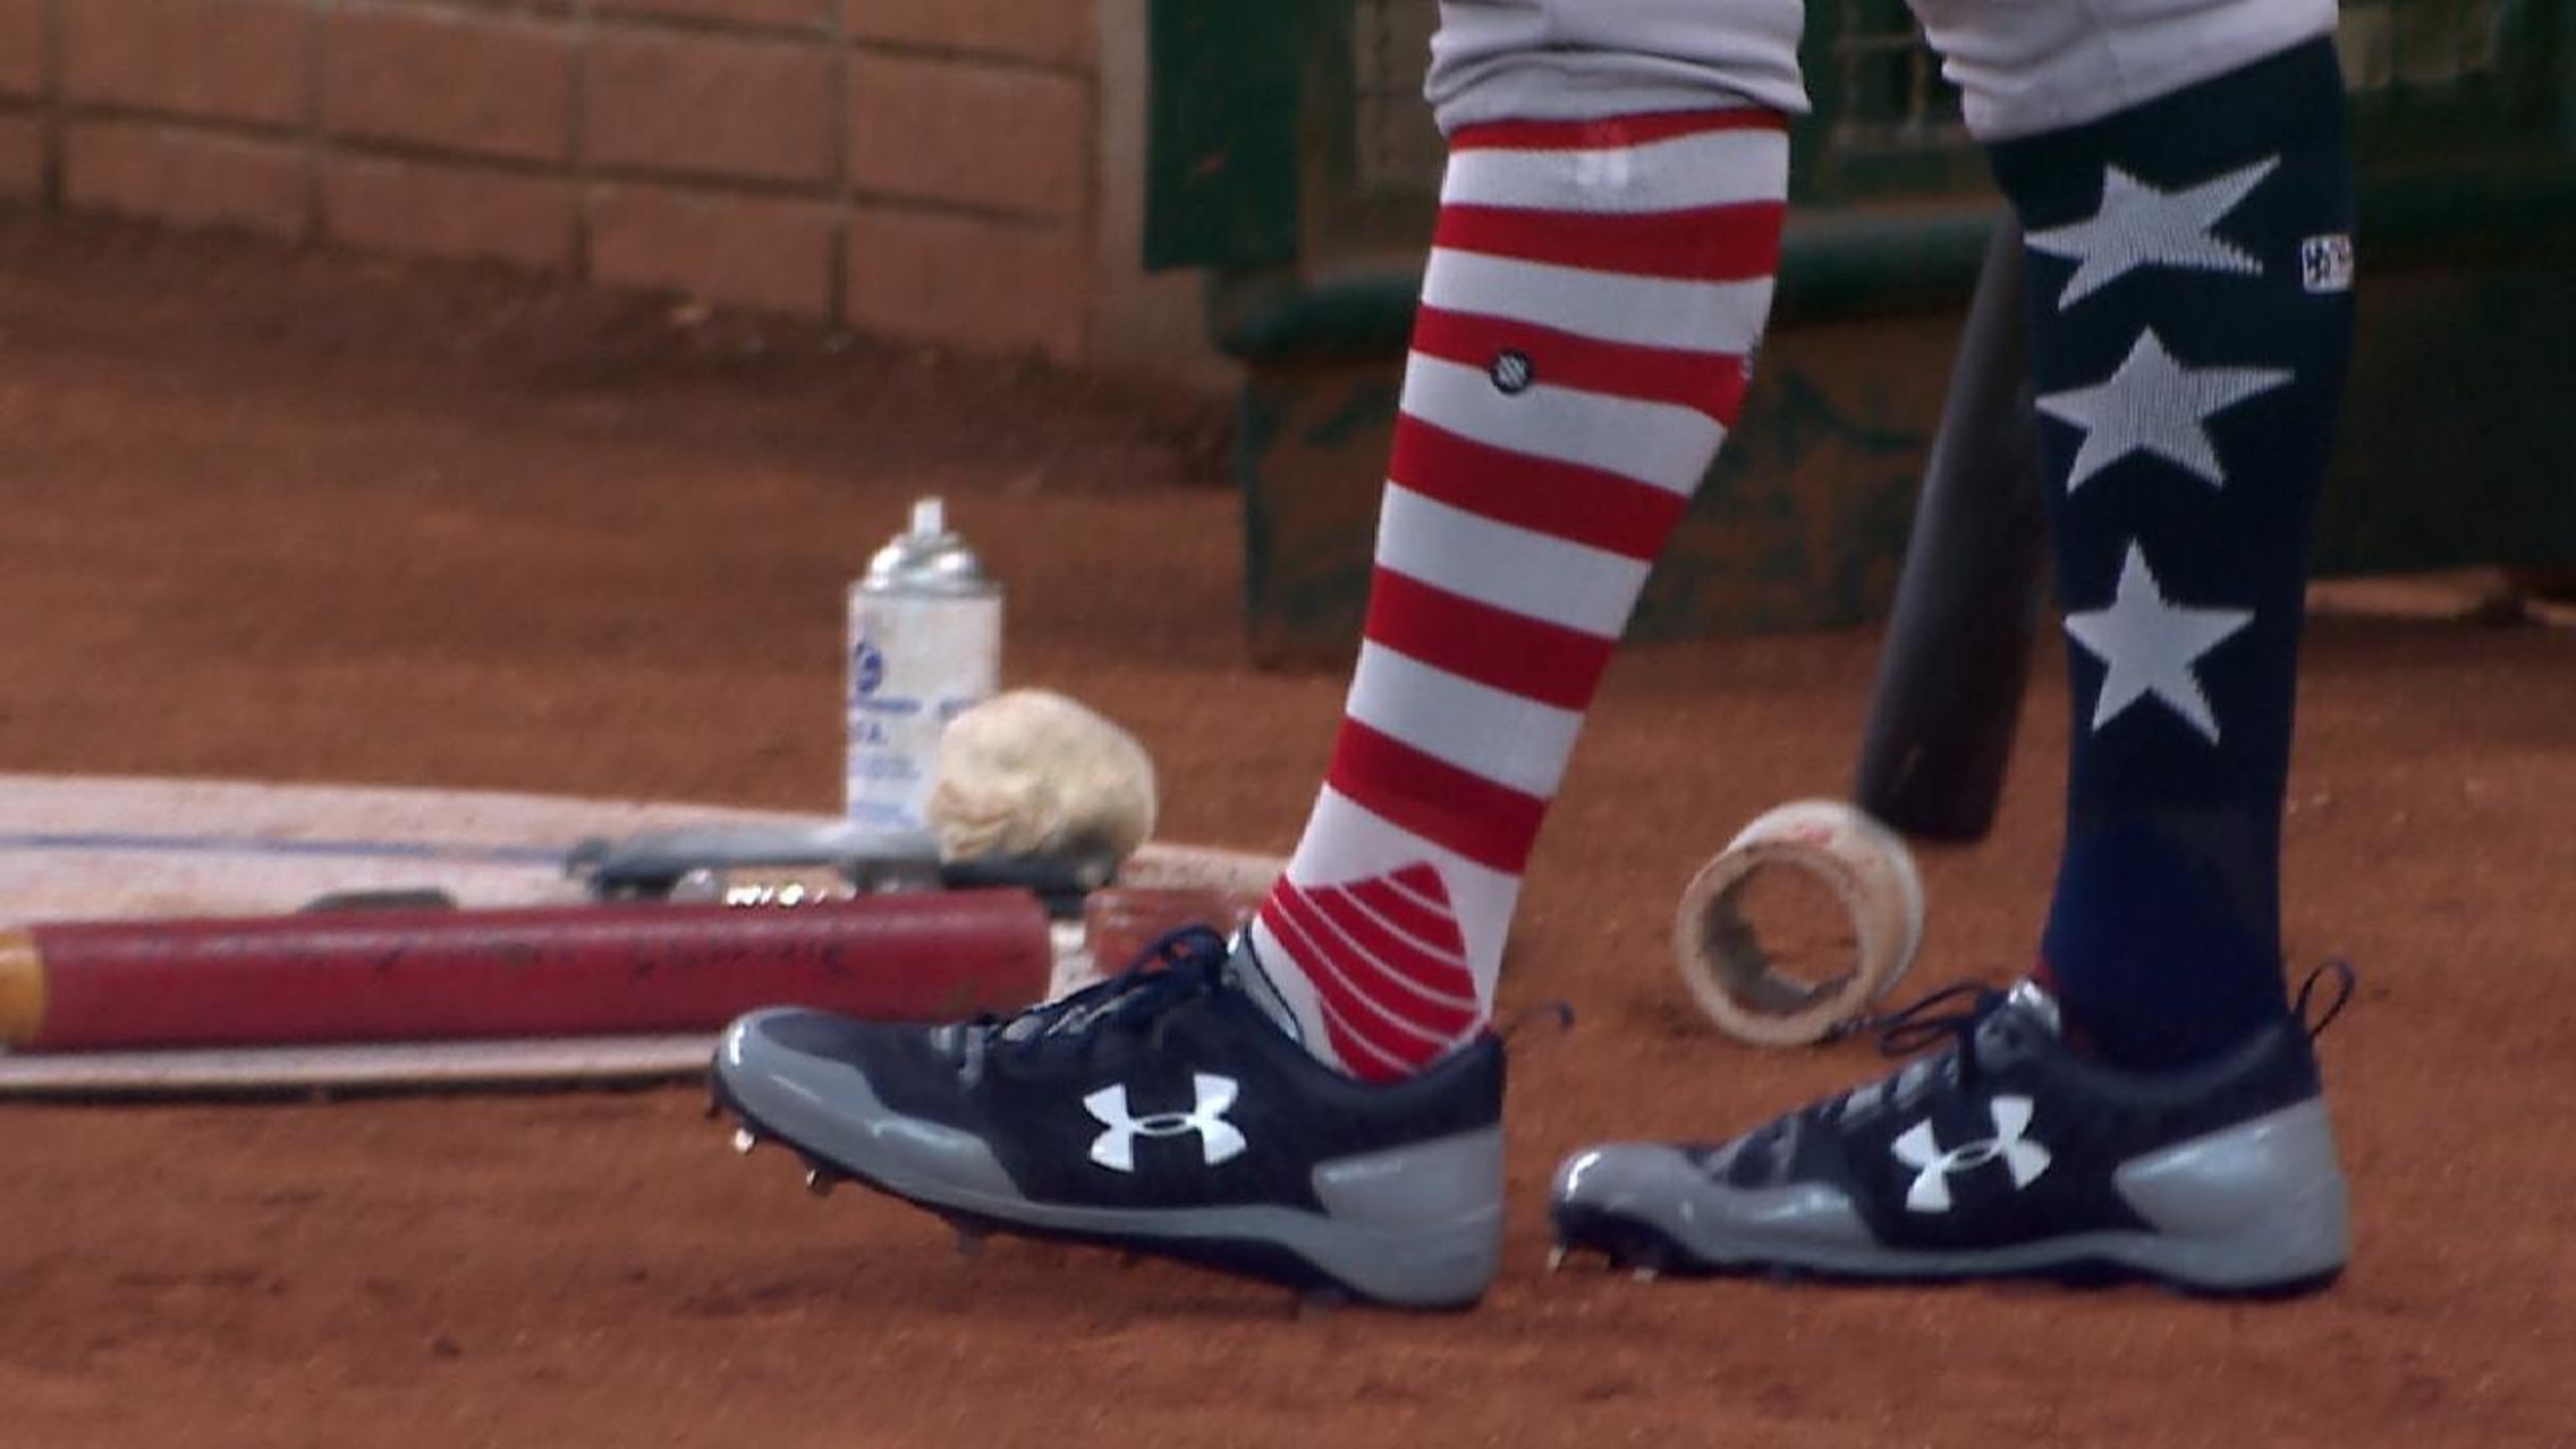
[(2005, 1155), (1159, 1112)]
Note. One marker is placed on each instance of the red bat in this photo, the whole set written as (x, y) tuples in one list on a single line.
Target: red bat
[(424, 975)]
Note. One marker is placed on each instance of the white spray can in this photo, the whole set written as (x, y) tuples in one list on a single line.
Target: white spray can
[(925, 642)]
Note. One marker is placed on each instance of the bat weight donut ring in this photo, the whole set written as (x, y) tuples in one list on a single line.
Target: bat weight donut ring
[(1735, 976)]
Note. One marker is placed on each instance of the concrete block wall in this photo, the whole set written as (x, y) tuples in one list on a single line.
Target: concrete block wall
[(929, 169)]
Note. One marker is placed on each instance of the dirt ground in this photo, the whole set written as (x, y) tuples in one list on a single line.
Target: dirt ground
[(307, 517)]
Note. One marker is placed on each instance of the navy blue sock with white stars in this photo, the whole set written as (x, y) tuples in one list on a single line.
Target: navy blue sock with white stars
[(2190, 266)]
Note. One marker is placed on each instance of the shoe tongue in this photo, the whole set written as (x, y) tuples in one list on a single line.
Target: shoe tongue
[(2034, 1001), (1245, 976)]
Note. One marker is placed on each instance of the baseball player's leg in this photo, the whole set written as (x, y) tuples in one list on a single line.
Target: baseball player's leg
[(2146, 1103), (1322, 1101), (2190, 322), (1600, 275)]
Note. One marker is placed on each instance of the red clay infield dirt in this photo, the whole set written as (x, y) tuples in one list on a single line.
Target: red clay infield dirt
[(314, 518)]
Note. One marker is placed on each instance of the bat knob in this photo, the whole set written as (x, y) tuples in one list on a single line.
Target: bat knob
[(1811, 914)]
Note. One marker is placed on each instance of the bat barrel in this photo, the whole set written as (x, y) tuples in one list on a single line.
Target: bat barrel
[(1947, 700)]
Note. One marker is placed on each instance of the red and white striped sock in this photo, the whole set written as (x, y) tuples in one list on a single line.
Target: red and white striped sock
[(1594, 294)]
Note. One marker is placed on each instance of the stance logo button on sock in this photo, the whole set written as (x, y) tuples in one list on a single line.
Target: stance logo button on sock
[(1513, 373)]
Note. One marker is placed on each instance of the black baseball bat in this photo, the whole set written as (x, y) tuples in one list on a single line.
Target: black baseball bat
[(1947, 700)]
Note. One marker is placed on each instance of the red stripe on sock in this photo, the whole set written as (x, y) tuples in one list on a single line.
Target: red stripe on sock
[(1706, 382), (1736, 243), (1589, 506), (1341, 970), (1458, 810), (1373, 1048), (1423, 915), (1434, 992), (1364, 1061), (1494, 647), (1420, 880), (1614, 133)]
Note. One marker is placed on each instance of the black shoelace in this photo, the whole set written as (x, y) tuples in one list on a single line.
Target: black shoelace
[(1952, 1014), (1180, 966), (2345, 981), (1925, 1023)]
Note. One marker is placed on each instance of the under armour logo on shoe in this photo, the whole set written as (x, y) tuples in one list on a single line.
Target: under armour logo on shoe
[(1219, 1140), (1934, 1167)]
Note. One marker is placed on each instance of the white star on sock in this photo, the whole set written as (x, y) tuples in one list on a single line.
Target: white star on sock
[(2138, 226), (2154, 404), (2149, 645)]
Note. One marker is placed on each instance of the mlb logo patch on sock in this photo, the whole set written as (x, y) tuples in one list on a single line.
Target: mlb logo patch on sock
[(2326, 264)]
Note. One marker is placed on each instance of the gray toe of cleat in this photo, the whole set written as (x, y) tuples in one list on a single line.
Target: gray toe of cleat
[(828, 1109), (1659, 1188)]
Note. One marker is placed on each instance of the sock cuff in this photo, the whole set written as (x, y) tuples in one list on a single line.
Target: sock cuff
[(2292, 101), (1613, 132)]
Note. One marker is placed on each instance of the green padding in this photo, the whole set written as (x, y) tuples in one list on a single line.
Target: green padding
[(1221, 161), (1265, 317), (2470, 209), (2455, 449)]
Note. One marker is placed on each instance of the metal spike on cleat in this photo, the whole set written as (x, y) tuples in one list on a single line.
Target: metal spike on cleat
[(1557, 1253), (818, 1182), (744, 1139)]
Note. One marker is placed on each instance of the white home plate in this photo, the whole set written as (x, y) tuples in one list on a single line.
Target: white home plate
[(80, 848)]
